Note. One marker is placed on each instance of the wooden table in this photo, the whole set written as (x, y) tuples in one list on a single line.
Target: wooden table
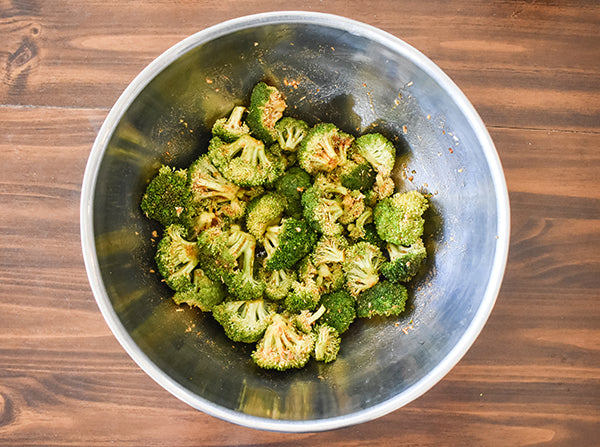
[(532, 71)]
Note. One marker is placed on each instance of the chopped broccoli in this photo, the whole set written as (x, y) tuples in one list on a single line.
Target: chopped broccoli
[(177, 258), (244, 321), (167, 196), (384, 186), (213, 192), (378, 151), (305, 319), (266, 108), (405, 262), (304, 295), (372, 237), (292, 185), (327, 343), (353, 205), (289, 132), (357, 229), (230, 129), (205, 294), (398, 218), (324, 148), (327, 277), (277, 282), (383, 299), (330, 249), (340, 310), (262, 212), (321, 212), (287, 243), (245, 161), (361, 266), (283, 346), (357, 173)]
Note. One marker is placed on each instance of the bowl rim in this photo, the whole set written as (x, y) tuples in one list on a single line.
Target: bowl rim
[(332, 21)]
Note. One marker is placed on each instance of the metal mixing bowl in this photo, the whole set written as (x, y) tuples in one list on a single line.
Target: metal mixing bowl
[(330, 69)]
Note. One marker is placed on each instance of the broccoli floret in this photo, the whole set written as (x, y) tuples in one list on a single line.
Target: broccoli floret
[(167, 196), (266, 108), (356, 230), (213, 192), (378, 151), (321, 212), (304, 295), (283, 346), (229, 255), (289, 132), (205, 294), (324, 148), (277, 282), (245, 162), (327, 343), (292, 185), (263, 212), (383, 299), (232, 128), (398, 218), (405, 262), (305, 319), (176, 258), (244, 321), (287, 243), (384, 186), (353, 205), (330, 249), (340, 310), (357, 173), (372, 237), (361, 266), (327, 277)]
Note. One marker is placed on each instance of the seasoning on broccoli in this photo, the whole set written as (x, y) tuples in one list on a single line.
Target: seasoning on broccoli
[(405, 262), (277, 282), (383, 299), (305, 320), (283, 346), (166, 197), (245, 161), (361, 266), (244, 321), (287, 243), (232, 128), (263, 212), (205, 293), (176, 258), (357, 173), (322, 212), (324, 148), (330, 249), (340, 310), (305, 295), (327, 343), (292, 185), (398, 218), (266, 108), (290, 132)]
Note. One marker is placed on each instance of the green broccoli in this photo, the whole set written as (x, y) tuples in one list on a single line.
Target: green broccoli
[(232, 128), (361, 266), (405, 262), (305, 319), (356, 230), (289, 132), (287, 243), (398, 218), (283, 346), (372, 237), (176, 258), (205, 294), (266, 108), (277, 282), (292, 185), (378, 151), (245, 161), (327, 343), (357, 173), (321, 212), (213, 192), (340, 310), (383, 299), (323, 148), (384, 186), (166, 199), (327, 277), (330, 249), (244, 321), (304, 295), (262, 212)]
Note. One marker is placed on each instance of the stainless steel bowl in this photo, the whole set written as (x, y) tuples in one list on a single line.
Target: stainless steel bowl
[(331, 69)]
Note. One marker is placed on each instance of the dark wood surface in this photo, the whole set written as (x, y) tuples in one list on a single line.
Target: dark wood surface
[(532, 70)]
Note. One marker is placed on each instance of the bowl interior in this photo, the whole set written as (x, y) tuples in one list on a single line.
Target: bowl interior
[(362, 82)]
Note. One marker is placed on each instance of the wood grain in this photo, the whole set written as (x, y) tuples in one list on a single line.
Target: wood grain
[(531, 69)]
